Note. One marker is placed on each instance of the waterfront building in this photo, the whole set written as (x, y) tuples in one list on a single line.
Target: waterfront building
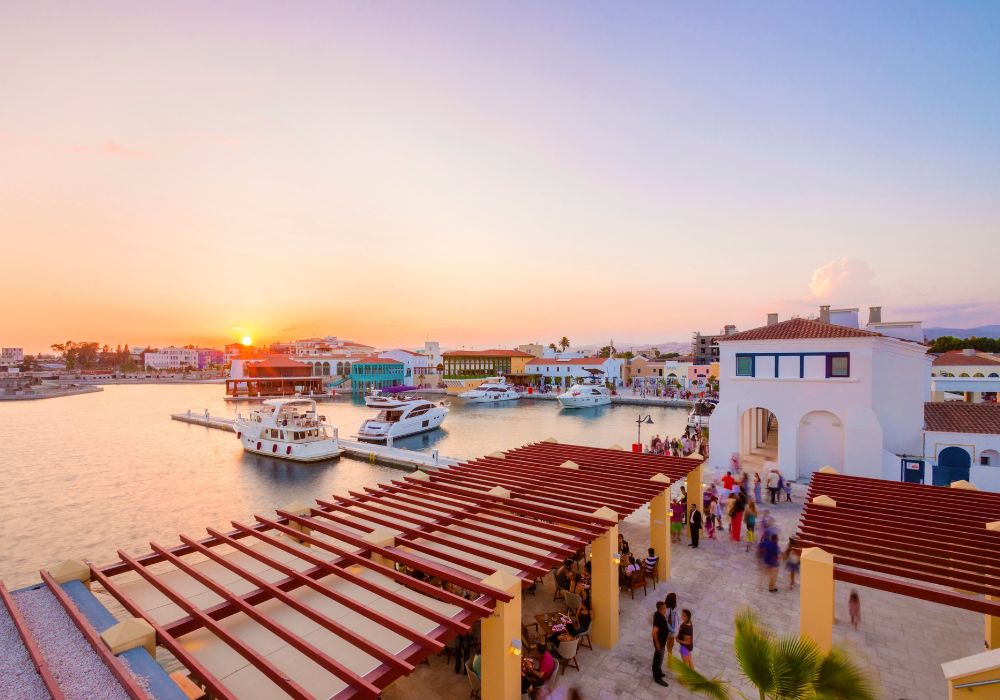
[(375, 372), (962, 443), (564, 371), (466, 369), (967, 375), (273, 376), (327, 345), (210, 357), (432, 351), (171, 358), (850, 318), (11, 356), (705, 348), (805, 394), (535, 349)]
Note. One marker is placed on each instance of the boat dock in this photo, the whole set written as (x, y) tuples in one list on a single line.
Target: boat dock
[(376, 454), (622, 400)]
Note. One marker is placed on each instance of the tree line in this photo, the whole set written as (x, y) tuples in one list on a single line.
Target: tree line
[(947, 343), (93, 355)]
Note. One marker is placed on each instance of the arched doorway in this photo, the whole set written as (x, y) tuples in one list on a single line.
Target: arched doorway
[(952, 465), (758, 439), (820, 444)]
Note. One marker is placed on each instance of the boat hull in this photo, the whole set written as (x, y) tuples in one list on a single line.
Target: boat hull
[(489, 399), (584, 401), (403, 429)]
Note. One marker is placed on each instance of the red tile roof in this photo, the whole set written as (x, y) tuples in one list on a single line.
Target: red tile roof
[(568, 361), (486, 353), (800, 329), (957, 357), (961, 417), (278, 361)]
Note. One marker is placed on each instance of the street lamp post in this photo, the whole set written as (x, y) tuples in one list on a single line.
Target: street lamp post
[(648, 420)]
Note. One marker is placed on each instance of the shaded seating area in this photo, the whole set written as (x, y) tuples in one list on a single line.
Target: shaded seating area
[(932, 543)]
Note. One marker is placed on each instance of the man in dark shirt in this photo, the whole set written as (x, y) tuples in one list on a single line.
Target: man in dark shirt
[(694, 523), (660, 632)]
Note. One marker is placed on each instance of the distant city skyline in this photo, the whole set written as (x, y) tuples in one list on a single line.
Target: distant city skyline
[(489, 175)]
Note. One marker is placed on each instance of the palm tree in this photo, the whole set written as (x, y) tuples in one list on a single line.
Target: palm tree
[(553, 347), (564, 343), (781, 668)]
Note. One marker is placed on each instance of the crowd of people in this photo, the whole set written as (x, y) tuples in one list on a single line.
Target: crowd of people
[(692, 441)]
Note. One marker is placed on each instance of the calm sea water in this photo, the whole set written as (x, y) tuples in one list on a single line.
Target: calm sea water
[(83, 476)]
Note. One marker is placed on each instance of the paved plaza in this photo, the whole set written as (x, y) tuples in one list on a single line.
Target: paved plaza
[(902, 641)]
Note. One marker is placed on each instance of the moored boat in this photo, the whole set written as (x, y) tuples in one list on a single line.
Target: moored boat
[(415, 415), (287, 429), (492, 390)]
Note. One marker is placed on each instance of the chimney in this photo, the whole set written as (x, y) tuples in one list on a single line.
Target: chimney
[(874, 314), (772, 319), (824, 314)]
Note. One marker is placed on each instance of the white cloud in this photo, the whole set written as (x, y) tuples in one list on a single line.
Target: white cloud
[(844, 281)]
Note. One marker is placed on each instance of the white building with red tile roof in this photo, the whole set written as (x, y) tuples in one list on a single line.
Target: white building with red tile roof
[(803, 394), (962, 440), (569, 370)]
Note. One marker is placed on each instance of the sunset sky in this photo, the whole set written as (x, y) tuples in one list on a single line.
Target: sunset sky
[(492, 173)]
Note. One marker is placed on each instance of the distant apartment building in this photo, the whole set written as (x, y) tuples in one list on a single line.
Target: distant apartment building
[(536, 349), (11, 356), (466, 369), (171, 358), (327, 345), (210, 357), (569, 370), (705, 348)]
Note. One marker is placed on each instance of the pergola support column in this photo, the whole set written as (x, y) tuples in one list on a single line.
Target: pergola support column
[(694, 488), (604, 583), (992, 623), (501, 665), (659, 526), (816, 597)]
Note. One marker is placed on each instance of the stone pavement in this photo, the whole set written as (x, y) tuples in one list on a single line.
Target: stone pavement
[(901, 641)]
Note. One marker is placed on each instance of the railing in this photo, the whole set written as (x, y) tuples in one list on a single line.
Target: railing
[(976, 684)]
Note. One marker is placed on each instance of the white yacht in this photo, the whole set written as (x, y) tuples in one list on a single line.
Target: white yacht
[(591, 392), (414, 416), (492, 390), (288, 429), (384, 399), (700, 413)]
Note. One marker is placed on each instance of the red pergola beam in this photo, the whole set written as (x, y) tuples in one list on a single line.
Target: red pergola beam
[(519, 491), (912, 590), (37, 658), (128, 682), (164, 638), (624, 486), (276, 675)]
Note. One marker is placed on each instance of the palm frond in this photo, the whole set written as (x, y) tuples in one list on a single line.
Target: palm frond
[(695, 682), (839, 678), (795, 666), (752, 645)]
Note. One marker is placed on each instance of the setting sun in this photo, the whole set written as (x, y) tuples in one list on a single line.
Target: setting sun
[(247, 340)]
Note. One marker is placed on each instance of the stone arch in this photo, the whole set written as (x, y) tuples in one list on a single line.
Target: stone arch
[(989, 458), (758, 438), (820, 442)]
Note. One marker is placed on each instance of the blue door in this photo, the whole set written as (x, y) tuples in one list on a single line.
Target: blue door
[(913, 471), (953, 465)]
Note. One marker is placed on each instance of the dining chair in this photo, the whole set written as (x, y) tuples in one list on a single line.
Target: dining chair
[(567, 653), (638, 581), (474, 683), (572, 600)]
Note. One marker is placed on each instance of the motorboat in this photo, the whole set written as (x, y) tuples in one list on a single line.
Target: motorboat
[(413, 415), (492, 390), (700, 413), (385, 398), (287, 429), (591, 392)]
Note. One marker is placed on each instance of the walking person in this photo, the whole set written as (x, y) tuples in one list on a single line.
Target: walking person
[(736, 518), (770, 555), (787, 486), (710, 518), (673, 622), (751, 521), (756, 488), (854, 607), (685, 636), (660, 634), (772, 486), (792, 562), (694, 525)]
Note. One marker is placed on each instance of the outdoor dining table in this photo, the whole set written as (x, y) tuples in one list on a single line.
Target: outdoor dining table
[(546, 621)]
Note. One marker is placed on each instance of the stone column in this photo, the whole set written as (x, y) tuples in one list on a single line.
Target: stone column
[(992, 622), (816, 602), (694, 488), (659, 525), (501, 671), (303, 511), (381, 537), (604, 583)]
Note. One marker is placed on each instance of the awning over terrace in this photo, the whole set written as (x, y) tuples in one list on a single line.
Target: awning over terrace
[(341, 598), (926, 542)]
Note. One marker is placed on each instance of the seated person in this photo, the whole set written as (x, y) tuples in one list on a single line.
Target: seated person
[(651, 561), (562, 575), (633, 566), (532, 678)]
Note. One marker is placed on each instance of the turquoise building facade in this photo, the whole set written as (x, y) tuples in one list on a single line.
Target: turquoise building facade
[(375, 373)]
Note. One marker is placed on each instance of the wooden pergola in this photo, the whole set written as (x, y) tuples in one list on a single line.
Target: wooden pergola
[(340, 598), (928, 542)]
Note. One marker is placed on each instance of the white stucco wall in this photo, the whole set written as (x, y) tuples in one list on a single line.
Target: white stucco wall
[(879, 407), (986, 478)]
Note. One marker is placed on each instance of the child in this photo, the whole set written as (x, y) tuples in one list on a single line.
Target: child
[(854, 606), (751, 522), (792, 562), (787, 486)]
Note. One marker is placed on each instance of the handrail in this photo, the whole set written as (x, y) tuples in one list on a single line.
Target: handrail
[(976, 684)]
